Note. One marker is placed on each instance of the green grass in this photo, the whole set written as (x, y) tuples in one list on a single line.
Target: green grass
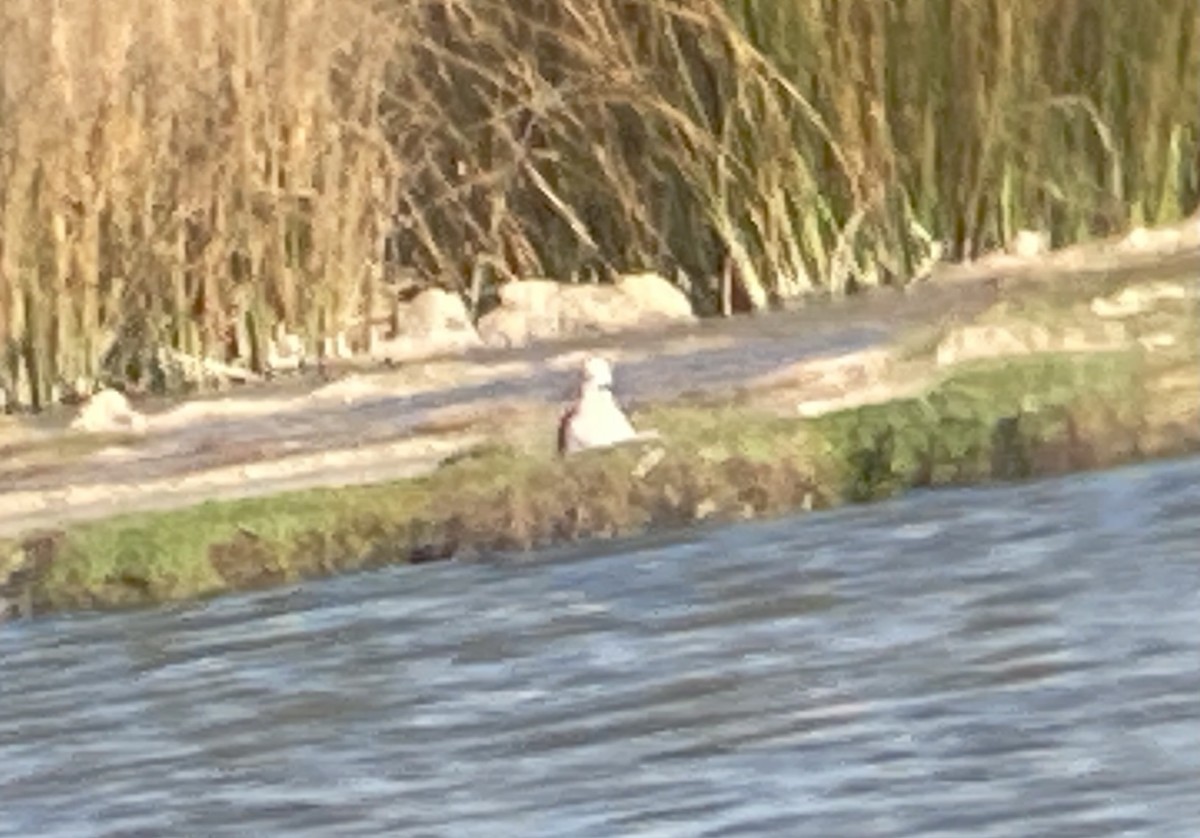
[(1036, 415), (1040, 414)]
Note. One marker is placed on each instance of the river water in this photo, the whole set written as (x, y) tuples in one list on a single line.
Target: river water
[(1003, 661)]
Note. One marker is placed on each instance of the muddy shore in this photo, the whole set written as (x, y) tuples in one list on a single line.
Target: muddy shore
[(838, 402)]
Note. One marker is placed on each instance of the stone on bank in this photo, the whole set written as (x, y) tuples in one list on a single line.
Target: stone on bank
[(541, 309)]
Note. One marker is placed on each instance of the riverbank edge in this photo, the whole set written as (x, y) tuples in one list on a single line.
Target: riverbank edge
[(1011, 419)]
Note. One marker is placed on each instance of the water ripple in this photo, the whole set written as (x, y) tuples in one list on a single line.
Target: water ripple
[(998, 661)]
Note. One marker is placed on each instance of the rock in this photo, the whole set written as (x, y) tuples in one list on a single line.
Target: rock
[(530, 310), (349, 390), (108, 411), (656, 297), (1135, 299), (596, 310), (505, 327), (976, 342), (1157, 341), (831, 375), (1029, 243), (1137, 239), (534, 295), (285, 352), (973, 342), (435, 322), (1162, 240), (540, 309), (337, 347), (195, 369), (823, 385)]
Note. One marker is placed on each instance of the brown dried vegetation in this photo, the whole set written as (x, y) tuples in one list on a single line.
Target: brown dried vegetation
[(195, 175)]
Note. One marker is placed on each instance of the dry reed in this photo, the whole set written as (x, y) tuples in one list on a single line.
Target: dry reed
[(196, 175)]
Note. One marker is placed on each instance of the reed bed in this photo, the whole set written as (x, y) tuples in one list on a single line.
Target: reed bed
[(198, 176)]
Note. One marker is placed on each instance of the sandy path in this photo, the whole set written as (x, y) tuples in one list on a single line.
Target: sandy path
[(377, 426), (373, 426)]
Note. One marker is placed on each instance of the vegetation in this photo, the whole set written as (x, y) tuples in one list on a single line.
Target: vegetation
[(193, 175), (1043, 414)]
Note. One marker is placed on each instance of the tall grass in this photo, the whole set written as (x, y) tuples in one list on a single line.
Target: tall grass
[(196, 175)]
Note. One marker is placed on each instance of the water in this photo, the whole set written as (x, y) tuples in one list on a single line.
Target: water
[(1007, 661)]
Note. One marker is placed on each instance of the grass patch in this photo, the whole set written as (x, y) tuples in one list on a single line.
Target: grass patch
[(1038, 415)]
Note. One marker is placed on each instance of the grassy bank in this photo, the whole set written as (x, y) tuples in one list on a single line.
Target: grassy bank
[(1044, 414), (192, 176)]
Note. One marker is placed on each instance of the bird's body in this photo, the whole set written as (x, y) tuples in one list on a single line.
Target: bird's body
[(595, 419)]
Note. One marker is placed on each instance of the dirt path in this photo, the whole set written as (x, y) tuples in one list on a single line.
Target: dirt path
[(373, 426)]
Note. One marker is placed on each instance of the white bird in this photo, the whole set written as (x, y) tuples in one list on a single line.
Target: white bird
[(595, 420)]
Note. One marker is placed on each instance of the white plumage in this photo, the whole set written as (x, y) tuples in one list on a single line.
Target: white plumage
[(595, 419)]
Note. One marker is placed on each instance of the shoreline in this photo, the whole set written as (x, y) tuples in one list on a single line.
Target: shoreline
[(1087, 390), (51, 476)]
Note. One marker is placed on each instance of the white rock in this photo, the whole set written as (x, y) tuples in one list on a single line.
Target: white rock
[(1162, 240), (975, 342), (1135, 299), (285, 352), (508, 327), (1156, 341), (987, 341), (435, 322), (1135, 240), (108, 411), (532, 295), (1029, 243), (337, 347), (198, 369), (656, 297), (540, 309), (353, 388)]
